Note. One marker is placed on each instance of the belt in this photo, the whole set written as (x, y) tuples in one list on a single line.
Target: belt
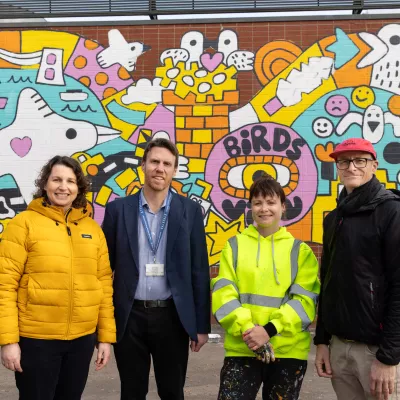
[(153, 303)]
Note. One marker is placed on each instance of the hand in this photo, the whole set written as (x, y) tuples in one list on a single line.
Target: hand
[(11, 357), (103, 355), (382, 380), (323, 362), (202, 339), (256, 337)]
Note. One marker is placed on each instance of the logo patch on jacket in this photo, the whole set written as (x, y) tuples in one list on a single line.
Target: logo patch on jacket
[(86, 236)]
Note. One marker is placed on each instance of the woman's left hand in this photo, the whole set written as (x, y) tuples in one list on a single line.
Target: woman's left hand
[(103, 355), (256, 337)]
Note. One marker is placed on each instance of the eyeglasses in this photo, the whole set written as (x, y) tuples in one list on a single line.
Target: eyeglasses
[(357, 162)]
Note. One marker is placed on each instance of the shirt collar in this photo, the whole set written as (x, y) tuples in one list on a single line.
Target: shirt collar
[(144, 201)]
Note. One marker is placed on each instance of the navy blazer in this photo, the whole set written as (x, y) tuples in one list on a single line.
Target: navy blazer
[(186, 266)]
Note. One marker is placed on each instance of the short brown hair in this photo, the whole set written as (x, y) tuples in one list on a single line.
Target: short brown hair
[(82, 181), (265, 186), (166, 144)]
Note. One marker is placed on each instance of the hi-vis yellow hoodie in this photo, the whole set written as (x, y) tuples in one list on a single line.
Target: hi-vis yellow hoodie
[(55, 277), (272, 279)]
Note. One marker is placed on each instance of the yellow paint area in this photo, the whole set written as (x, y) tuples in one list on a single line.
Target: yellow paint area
[(126, 128), (287, 115), (37, 40), (124, 179)]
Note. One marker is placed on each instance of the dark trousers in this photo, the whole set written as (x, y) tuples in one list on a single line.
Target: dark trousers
[(155, 332), (241, 378), (54, 369)]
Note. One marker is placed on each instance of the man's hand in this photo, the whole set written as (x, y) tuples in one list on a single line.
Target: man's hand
[(256, 337), (202, 339), (103, 355), (382, 380), (322, 361), (11, 357)]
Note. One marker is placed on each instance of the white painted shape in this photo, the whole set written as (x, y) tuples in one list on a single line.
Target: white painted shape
[(120, 52), (235, 176), (201, 73), (282, 174), (10, 212), (193, 43), (204, 87), (219, 78), (58, 79), (242, 60), (373, 115), (348, 120), (242, 116), (227, 43), (173, 73), (110, 167), (21, 59), (188, 80), (177, 55), (393, 120), (133, 161), (17, 201), (145, 91), (379, 49)]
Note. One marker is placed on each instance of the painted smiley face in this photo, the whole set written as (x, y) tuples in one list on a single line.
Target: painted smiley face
[(337, 105), (323, 127), (363, 96)]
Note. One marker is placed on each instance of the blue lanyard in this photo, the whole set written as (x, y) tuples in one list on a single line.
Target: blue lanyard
[(154, 247)]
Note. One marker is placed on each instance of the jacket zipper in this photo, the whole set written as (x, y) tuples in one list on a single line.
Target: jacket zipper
[(371, 286), (71, 276)]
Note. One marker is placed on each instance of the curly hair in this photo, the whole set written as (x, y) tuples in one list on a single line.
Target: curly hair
[(82, 181)]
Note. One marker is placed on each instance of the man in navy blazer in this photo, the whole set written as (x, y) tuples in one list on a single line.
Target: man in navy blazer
[(158, 253)]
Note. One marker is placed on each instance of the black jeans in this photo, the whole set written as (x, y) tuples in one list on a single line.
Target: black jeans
[(241, 378), (54, 369), (157, 333)]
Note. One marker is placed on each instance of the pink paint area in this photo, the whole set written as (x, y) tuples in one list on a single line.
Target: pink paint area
[(288, 143), (51, 59), (273, 106), (21, 147), (3, 102), (49, 74), (211, 61), (92, 68), (161, 119), (99, 210)]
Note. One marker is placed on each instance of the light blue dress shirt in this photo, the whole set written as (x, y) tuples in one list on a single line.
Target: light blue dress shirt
[(152, 287)]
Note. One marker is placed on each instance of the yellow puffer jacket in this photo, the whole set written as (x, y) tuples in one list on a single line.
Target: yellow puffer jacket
[(55, 277)]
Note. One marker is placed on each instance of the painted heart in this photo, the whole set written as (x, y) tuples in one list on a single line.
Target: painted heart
[(21, 147), (211, 61)]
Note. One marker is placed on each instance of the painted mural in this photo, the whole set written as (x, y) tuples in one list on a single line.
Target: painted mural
[(61, 93)]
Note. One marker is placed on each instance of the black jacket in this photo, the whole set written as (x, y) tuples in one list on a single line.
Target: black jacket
[(360, 271)]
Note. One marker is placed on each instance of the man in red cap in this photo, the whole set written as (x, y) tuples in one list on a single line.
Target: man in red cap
[(358, 327)]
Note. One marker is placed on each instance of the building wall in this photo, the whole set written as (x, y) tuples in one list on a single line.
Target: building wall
[(237, 99)]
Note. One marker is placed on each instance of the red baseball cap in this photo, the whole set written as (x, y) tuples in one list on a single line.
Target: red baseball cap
[(354, 144)]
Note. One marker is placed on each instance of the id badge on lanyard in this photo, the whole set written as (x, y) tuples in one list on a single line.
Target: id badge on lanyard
[(155, 269)]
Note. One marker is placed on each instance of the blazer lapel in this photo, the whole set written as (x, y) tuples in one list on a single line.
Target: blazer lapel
[(174, 222), (131, 223)]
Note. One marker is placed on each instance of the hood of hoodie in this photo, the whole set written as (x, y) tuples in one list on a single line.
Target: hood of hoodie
[(56, 213), (281, 234)]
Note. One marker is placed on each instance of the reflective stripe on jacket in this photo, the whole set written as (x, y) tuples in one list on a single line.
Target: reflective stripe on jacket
[(274, 279)]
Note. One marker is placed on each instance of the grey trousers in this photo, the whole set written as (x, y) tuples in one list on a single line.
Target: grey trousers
[(351, 365)]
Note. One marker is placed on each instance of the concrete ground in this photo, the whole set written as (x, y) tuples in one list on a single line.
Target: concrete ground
[(201, 384)]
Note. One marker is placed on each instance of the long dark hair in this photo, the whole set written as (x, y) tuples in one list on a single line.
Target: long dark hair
[(82, 181)]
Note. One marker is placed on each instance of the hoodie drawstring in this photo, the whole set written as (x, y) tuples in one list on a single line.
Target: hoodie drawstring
[(273, 256)]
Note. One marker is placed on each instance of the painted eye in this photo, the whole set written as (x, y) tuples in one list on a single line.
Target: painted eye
[(369, 115), (227, 42), (71, 133), (133, 48), (193, 42), (395, 40), (378, 115)]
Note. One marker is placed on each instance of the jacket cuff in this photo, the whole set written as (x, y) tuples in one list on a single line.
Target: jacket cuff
[(9, 338), (385, 360), (271, 330), (246, 326), (104, 336)]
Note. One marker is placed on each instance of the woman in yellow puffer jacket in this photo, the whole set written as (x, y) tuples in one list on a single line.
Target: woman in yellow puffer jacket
[(55, 288), (265, 298)]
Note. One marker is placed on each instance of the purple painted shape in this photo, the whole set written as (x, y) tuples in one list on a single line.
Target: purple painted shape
[(49, 74), (3, 102), (273, 106), (92, 68), (51, 59), (21, 147), (161, 119), (211, 61), (308, 178)]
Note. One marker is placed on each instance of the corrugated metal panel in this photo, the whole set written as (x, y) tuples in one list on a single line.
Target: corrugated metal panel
[(79, 8)]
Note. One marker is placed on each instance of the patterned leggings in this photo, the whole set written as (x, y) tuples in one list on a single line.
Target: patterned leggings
[(241, 378)]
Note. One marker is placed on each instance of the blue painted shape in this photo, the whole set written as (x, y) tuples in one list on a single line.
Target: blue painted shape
[(125, 114), (344, 49)]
